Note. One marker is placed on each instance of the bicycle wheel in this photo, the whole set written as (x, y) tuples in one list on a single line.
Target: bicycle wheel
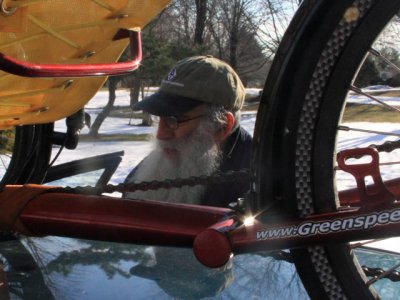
[(296, 135), (25, 153)]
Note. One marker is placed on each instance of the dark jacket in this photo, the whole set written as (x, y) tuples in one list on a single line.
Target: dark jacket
[(236, 154)]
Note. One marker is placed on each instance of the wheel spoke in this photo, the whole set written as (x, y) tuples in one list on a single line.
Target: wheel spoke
[(363, 243), (347, 128), (2, 162), (326, 124), (360, 92), (378, 104), (376, 53), (391, 163)]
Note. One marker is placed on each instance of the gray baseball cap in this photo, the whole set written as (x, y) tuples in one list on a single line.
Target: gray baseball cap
[(192, 82)]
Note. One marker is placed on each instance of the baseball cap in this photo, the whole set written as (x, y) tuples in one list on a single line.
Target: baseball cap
[(193, 81)]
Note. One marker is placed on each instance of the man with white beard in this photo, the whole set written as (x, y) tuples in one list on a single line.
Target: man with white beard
[(198, 105)]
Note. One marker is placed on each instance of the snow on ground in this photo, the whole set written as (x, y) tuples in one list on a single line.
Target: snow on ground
[(362, 139), (135, 151)]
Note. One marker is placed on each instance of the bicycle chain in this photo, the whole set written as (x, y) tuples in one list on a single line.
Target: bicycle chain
[(388, 146), (377, 272), (216, 178)]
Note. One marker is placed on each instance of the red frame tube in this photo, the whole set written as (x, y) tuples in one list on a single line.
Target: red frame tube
[(27, 69), (214, 233), (336, 227), (116, 219)]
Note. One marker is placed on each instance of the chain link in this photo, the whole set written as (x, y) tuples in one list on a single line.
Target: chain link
[(388, 146), (377, 273), (216, 178)]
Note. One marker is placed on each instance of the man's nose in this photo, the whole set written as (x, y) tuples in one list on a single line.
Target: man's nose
[(163, 131)]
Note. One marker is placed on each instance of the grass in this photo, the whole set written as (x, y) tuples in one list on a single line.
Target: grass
[(370, 113), (116, 138), (353, 113), (125, 112)]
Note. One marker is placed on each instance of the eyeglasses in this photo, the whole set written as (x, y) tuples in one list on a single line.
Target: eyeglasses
[(173, 122)]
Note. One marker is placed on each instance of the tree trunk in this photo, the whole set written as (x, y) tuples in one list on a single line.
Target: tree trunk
[(234, 33), (234, 40), (146, 120), (134, 90), (201, 17), (136, 87), (112, 86)]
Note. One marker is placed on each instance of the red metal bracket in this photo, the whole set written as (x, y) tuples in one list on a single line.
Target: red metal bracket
[(377, 216), (27, 69), (374, 193)]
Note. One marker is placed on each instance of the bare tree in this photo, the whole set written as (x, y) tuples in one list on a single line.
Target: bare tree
[(245, 33), (234, 27), (276, 19), (248, 32), (112, 86)]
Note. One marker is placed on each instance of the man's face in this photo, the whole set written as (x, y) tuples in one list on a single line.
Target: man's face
[(191, 149), (167, 135)]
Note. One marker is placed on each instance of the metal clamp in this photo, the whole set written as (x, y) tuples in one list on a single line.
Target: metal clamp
[(376, 192)]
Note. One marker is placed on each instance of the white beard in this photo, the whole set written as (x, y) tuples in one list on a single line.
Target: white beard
[(198, 155)]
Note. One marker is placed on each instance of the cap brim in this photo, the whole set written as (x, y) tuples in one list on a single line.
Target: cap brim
[(162, 104)]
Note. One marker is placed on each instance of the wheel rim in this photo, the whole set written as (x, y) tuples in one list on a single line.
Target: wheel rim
[(351, 129), (296, 136), (365, 111)]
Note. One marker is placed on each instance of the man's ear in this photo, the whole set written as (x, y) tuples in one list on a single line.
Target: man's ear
[(226, 130)]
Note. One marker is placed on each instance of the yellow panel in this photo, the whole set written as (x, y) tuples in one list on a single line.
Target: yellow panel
[(62, 32)]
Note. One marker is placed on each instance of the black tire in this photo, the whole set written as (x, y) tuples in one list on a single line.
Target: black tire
[(295, 135), (27, 151), (30, 154)]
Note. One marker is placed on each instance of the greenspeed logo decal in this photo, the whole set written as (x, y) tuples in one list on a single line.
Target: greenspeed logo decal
[(323, 227)]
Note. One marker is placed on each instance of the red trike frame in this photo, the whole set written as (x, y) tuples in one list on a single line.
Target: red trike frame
[(366, 212), (214, 232)]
